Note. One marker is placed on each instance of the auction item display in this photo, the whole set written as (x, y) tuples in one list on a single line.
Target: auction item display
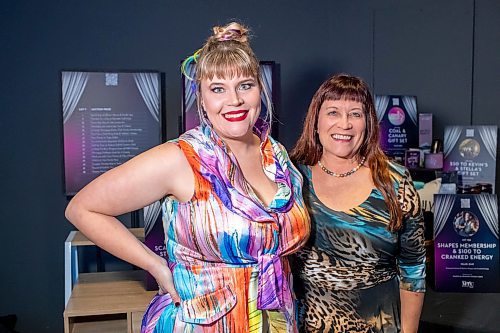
[(466, 255), (471, 152), (108, 118), (398, 119)]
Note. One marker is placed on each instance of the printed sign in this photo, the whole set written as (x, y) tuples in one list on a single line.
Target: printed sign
[(466, 243)]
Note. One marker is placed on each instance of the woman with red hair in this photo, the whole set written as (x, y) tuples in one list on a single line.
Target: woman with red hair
[(363, 268)]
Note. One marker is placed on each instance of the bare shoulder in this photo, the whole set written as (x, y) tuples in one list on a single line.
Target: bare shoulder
[(177, 170), (169, 154), (157, 162)]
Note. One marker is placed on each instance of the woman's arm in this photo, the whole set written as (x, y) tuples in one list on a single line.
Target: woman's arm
[(135, 184), (411, 307), (411, 259)]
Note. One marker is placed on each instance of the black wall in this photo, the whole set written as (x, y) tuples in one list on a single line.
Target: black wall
[(444, 52)]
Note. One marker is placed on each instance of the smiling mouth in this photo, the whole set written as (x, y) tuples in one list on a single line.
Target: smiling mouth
[(236, 115), (342, 137)]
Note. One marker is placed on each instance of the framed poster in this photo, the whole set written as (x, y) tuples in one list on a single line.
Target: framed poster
[(466, 254), (108, 118), (190, 117)]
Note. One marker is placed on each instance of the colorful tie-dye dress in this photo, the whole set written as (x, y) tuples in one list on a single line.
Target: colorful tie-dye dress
[(226, 250), (349, 273)]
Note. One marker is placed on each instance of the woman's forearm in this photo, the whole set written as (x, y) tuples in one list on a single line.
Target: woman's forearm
[(411, 308), (111, 235)]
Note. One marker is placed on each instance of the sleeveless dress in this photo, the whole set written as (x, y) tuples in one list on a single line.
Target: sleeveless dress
[(226, 250), (349, 273)]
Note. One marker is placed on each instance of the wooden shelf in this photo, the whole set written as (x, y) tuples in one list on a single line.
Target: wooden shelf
[(74, 240), (108, 324), (104, 302), (107, 302), (78, 239)]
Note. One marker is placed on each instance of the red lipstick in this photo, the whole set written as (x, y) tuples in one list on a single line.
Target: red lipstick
[(237, 115)]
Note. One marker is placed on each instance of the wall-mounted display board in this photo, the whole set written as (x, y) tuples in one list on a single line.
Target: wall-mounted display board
[(108, 118)]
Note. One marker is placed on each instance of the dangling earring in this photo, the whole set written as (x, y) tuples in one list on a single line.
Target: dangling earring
[(316, 137), (202, 114), (203, 109)]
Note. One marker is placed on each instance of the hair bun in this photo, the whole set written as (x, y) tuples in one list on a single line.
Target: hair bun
[(231, 31)]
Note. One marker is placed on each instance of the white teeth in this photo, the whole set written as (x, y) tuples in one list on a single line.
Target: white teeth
[(234, 115), (342, 137)]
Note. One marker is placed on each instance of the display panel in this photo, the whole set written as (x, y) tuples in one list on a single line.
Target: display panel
[(108, 118), (466, 243), (397, 116), (190, 117), (471, 151)]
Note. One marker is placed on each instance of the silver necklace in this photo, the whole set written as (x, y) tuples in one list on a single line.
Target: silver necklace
[(344, 174)]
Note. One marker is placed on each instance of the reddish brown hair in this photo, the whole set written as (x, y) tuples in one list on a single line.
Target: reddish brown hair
[(308, 149)]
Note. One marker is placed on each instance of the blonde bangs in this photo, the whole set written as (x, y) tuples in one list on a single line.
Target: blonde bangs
[(226, 65)]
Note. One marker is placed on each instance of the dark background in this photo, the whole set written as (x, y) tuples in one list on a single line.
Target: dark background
[(444, 52)]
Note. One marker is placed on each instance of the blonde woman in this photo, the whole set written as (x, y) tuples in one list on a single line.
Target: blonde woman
[(233, 209)]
